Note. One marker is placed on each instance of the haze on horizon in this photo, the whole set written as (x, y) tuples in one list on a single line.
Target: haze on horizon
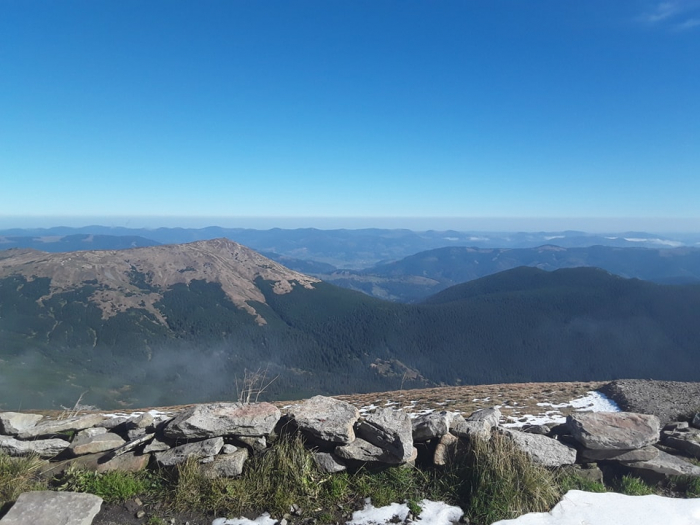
[(496, 116)]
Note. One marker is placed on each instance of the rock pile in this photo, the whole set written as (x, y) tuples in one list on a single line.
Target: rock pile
[(222, 436)]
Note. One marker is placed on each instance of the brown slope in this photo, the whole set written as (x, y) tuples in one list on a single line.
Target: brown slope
[(117, 272)]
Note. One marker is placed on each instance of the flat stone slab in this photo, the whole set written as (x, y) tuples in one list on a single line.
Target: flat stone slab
[(614, 430), (12, 423), (50, 428), (224, 419), (45, 448), (199, 449), (94, 444), (53, 508), (640, 454), (667, 465), (361, 450), (688, 442), (542, 450), (327, 419)]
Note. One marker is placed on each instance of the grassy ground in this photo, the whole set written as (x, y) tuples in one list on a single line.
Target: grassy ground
[(489, 480)]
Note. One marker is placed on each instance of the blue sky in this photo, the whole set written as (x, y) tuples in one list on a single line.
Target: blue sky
[(571, 113)]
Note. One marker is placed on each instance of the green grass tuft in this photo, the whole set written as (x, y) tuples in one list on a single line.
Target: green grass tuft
[(114, 486), (18, 475), (634, 486), (576, 482)]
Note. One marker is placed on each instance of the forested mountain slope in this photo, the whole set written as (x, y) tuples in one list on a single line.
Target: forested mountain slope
[(183, 323)]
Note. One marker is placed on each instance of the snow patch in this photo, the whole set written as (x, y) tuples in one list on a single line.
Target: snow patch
[(589, 508), (264, 519), (594, 401), (432, 513)]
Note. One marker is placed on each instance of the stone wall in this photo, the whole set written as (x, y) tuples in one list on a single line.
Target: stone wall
[(222, 436)]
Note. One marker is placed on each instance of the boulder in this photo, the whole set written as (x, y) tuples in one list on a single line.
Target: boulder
[(328, 463), (144, 420), (431, 426), (94, 444), (389, 429), (614, 430), (129, 462), (677, 425), (198, 449), (479, 429), (666, 465), (542, 430), (71, 424), (228, 449), (226, 466), (490, 415), (640, 454), (543, 450), (44, 448), (223, 419), (688, 442), (326, 418), (447, 449), (361, 450), (696, 421), (53, 508), (13, 423)]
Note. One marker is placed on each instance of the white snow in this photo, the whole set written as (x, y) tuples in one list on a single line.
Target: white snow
[(609, 508), (592, 402), (432, 513), (265, 519), (664, 242)]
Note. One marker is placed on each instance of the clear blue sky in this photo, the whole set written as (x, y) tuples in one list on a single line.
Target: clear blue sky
[(351, 108)]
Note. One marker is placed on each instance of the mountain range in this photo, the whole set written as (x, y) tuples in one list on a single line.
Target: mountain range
[(185, 323)]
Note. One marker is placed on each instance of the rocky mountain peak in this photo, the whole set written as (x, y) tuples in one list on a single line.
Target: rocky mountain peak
[(136, 278)]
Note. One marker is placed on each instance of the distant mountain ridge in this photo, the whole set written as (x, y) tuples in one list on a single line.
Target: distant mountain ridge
[(358, 249), (418, 276)]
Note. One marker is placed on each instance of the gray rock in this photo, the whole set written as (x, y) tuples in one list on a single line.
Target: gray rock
[(223, 419), (542, 430), (479, 429), (144, 420), (226, 466), (45, 448), (71, 424), (90, 432), (614, 430), (677, 425), (53, 508), (256, 444), (665, 464), (491, 415), (199, 449), (688, 442), (640, 454), (543, 450), (431, 426), (590, 472), (696, 421), (129, 462), (390, 430), (228, 449), (92, 445), (361, 450), (13, 423), (156, 446), (447, 449), (327, 419), (133, 444), (328, 463), (110, 422), (135, 433)]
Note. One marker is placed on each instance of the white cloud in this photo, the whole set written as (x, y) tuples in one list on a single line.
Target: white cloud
[(673, 13)]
